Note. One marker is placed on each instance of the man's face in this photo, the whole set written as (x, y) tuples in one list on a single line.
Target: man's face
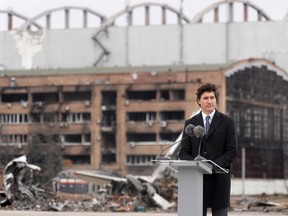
[(207, 102)]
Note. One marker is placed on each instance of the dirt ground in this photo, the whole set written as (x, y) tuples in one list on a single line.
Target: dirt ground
[(37, 213), (248, 205), (261, 203), (257, 204)]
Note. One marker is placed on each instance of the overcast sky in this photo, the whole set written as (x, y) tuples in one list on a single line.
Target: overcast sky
[(276, 9)]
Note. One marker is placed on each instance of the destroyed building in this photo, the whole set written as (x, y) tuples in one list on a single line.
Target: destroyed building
[(113, 97)]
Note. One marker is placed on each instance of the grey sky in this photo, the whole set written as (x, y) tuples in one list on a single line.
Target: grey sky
[(276, 9)]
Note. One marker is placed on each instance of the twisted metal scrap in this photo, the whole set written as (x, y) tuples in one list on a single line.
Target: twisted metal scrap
[(17, 182)]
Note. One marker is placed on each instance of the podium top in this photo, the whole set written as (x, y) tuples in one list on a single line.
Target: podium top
[(205, 167)]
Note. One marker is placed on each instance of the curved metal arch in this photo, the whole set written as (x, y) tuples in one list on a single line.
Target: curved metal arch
[(66, 9), (128, 10), (111, 21), (258, 63), (11, 13), (199, 17)]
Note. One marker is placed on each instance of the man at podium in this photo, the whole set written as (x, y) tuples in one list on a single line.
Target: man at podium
[(217, 143)]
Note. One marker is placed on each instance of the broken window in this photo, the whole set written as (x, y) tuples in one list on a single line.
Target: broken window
[(86, 117), (236, 115), (108, 105), (73, 138), (172, 94), (47, 97), (50, 117), (277, 124), (256, 99), (35, 117), (10, 98), (74, 186), (172, 115), (11, 139), (141, 137), (77, 96), (109, 148), (141, 95), (13, 118), (108, 157), (108, 98), (65, 117), (77, 159), (258, 116), (108, 118), (87, 138), (139, 160), (77, 138), (23, 118), (248, 123), (251, 83), (76, 117), (141, 116)]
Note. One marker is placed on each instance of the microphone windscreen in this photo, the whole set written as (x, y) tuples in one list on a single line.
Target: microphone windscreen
[(199, 131), (189, 130)]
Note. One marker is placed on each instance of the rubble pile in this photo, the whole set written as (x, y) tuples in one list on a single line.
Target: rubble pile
[(102, 202), (118, 195), (114, 194)]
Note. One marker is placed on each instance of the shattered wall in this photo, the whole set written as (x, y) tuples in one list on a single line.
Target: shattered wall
[(28, 44)]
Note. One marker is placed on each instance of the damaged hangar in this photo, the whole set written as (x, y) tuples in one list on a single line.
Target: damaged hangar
[(113, 97)]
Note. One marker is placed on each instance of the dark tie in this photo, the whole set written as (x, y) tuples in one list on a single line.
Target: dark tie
[(207, 124)]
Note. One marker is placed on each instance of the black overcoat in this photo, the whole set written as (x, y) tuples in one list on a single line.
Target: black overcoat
[(220, 146)]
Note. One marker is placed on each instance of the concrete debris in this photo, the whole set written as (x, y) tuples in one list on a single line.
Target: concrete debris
[(261, 203), (264, 204), (133, 186), (113, 194)]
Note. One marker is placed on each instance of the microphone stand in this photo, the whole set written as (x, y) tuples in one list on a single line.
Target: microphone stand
[(199, 157), (160, 157)]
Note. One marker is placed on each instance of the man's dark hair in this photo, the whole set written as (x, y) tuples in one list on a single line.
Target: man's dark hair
[(208, 87)]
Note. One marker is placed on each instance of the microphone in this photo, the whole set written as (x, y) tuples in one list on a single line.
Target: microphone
[(189, 130), (199, 133)]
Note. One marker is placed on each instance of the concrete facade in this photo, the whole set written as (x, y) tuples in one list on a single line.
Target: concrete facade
[(138, 46), (105, 99)]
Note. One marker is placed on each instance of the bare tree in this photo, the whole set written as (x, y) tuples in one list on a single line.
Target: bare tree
[(44, 151)]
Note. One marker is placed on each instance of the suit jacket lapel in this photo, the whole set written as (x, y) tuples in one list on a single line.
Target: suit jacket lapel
[(199, 120), (215, 122)]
